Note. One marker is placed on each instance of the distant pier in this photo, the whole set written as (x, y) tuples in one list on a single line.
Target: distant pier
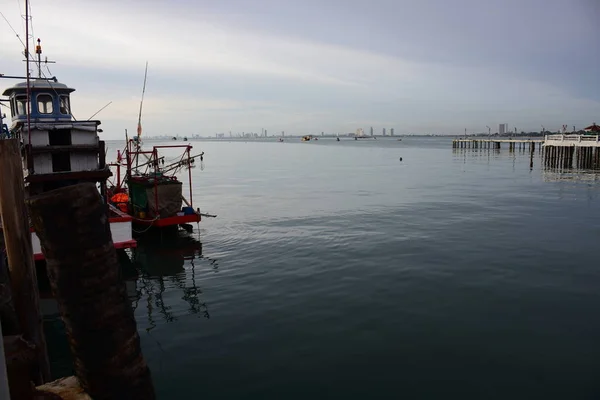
[(568, 151), (562, 151), (476, 143)]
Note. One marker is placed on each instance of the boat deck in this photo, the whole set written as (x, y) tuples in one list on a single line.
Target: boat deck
[(168, 221), (120, 227)]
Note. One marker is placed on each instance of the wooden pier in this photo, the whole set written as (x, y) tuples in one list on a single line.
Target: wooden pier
[(568, 151), (480, 143), (558, 151)]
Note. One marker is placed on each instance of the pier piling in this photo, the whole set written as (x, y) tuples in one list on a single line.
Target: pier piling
[(562, 151), (495, 143), (84, 274), (17, 240)]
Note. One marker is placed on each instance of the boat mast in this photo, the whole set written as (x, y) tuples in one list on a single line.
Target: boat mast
[(27, 66), (139, 127)]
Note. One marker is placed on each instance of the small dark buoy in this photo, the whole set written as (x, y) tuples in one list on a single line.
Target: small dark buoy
[(400, 158)]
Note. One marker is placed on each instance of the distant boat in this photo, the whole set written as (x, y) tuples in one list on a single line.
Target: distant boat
[(306, 138), (185, 139)]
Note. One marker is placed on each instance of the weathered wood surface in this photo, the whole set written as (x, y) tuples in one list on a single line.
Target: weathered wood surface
[(8, 315), (64, 389), (17, 239), (83, 270), (20, 355), (4, 389)]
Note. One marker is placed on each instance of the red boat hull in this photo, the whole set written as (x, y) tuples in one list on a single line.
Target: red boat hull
[(168, 221)]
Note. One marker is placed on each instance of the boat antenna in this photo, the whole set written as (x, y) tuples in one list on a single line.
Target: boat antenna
[(38, 51), (139, 127)]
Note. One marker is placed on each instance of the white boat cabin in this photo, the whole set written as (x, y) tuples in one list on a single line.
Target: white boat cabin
[(57, 148)]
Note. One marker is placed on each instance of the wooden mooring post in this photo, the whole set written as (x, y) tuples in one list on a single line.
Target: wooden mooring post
[(17, 239), (72, 225)]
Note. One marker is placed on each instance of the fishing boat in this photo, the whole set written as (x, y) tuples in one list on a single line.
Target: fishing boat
[(150, 191), (57, 150), (306, 138)]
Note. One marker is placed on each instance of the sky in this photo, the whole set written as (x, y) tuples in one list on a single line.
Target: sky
[(307, 66)]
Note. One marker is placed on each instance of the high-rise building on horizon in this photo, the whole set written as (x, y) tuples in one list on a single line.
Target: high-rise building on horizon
[(383, 131), (502, 129), (392, 132), (371, 131)]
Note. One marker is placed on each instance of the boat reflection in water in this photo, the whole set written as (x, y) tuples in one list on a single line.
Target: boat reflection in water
[(169, 265), (150, 271)]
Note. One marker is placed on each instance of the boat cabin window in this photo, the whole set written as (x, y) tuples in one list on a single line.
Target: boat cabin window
[(21, 105), (61, 162), (44, 102), (59, 137), (65, 107)]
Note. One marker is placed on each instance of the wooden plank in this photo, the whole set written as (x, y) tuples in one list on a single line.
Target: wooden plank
[(66, 388), (17, 237), (7, 310)]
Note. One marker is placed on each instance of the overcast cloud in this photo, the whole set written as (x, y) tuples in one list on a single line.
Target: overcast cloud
[(427, 66)]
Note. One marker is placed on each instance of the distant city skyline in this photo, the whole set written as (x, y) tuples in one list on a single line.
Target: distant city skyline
[(302, 66)]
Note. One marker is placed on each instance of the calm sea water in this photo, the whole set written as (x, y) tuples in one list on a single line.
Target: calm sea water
[(335, 270)]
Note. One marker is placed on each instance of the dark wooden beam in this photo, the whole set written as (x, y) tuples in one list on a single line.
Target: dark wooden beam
[(77, 175), (17, 237)]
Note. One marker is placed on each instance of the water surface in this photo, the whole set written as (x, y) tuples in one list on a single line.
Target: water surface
[(336, 270)]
